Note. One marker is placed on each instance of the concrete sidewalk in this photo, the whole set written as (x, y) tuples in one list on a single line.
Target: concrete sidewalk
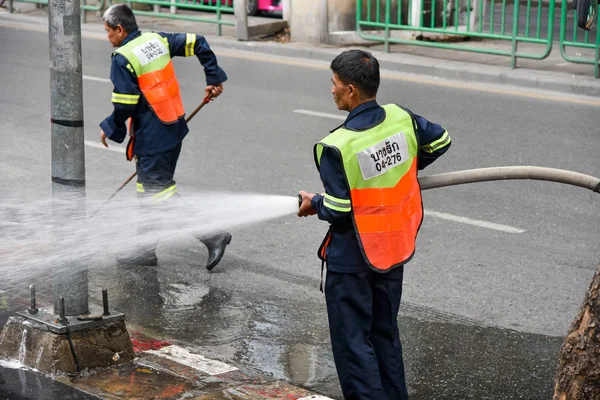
[(552, 73)]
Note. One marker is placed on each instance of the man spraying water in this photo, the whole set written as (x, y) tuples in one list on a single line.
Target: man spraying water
[(372, 200)]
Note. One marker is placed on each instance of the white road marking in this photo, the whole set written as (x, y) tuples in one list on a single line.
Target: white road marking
[(316, 397), (96, 79), (430, 213), (321, 114), (101, 146), (196, 361), (474, 222)]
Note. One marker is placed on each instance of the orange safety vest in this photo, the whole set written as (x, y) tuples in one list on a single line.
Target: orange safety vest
[(149, 56), (380, 165)]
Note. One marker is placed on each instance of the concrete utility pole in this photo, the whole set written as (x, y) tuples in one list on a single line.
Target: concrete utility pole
[(340, 14), (68, 157), (287, 9), (324, 21), (241, 19), (244, 31)]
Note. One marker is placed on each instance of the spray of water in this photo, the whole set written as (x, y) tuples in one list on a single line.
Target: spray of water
[(51, 236)]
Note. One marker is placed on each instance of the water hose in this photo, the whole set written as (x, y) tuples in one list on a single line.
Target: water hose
[(508, 173)]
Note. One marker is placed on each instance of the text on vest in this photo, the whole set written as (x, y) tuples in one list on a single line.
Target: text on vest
[(150, 51), (378, 159)]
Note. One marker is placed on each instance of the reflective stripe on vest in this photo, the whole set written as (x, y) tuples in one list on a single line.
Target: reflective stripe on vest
[(150, 59), (380, 165)]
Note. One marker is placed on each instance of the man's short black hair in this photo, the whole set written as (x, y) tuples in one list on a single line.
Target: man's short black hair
[(359, 68), (120, 14)]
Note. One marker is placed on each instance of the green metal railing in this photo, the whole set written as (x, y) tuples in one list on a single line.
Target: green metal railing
[(11, 8), (219, 7), (507, 21), (84, 7), (580, 39)]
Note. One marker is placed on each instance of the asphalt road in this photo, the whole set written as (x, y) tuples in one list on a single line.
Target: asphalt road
[(500, 271)]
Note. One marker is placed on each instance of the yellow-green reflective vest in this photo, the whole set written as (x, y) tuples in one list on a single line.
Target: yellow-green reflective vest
[(380, 166), (149, 56)]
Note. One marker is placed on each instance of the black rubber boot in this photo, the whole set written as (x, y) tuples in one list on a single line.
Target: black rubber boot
[(139, 258), (216, 248)]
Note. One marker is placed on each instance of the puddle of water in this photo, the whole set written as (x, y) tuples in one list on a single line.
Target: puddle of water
[(135, 382)]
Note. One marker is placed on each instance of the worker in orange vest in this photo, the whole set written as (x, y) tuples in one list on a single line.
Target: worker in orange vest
[(372, 200), (147, 91)]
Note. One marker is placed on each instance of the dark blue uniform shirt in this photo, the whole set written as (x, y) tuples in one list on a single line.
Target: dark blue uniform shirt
[(152, 136), (343, 251)]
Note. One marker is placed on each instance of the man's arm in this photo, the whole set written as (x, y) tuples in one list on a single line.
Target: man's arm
[(433, 141), (334, 205), (125, 96), (189, 44)]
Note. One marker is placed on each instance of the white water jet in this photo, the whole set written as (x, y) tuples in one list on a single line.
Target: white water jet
[(33, 243)]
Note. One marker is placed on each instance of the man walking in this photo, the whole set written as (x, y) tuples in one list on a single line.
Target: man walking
[(147, 91), (372, 200)]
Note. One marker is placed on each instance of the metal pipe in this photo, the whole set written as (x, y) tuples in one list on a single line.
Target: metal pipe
[(61, 313), (105, 302), (512, 172), (324, 22), (32, 308)]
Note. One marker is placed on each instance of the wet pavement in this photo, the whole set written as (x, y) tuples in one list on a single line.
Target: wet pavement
[(147, 378), (446, 356), (21, 384), (443, 361), (455, 361)]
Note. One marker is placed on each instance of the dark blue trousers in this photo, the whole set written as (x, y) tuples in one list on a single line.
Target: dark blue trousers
[(155, 175), (155, 172), (362, 309)]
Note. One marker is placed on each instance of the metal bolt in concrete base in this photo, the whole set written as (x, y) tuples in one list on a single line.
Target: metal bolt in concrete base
[(72, 324)]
